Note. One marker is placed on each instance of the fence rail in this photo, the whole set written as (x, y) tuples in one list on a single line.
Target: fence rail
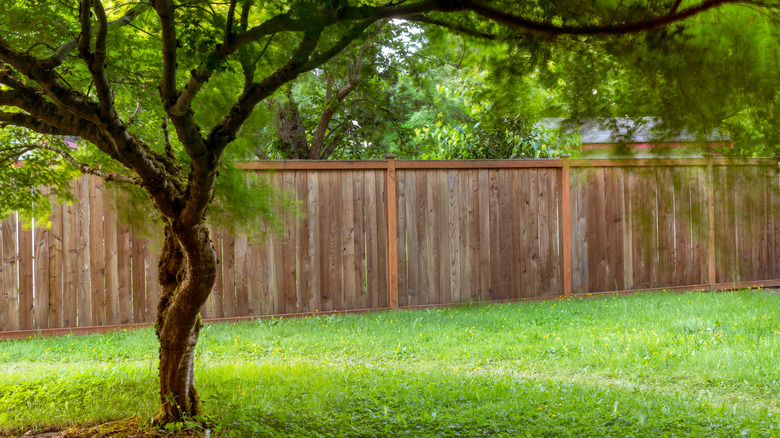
[(389, 233)]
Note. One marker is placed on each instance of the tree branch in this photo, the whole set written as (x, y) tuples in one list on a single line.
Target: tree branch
[(32, 123), (420, 18), (518, 22), (165, 11)]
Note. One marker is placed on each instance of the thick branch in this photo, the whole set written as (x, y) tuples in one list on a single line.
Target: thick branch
[(518, 22), (32, 123), (420, 18), (165, 11), (67, 99), (85, 19)]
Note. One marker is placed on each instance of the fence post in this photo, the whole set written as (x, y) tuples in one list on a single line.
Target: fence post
[(566, 225), (711, 273), (392, 234)]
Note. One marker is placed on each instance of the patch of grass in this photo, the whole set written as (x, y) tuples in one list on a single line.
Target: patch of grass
[(693, 364)]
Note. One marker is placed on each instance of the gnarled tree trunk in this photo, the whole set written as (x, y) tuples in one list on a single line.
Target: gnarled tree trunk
[(187, 272)]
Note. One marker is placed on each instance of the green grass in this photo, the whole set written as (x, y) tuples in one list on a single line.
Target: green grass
[(648, 365)]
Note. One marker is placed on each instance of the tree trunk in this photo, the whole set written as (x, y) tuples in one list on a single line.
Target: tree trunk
[(187, 272)]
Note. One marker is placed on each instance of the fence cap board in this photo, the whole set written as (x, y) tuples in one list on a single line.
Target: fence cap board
[(496, 164)]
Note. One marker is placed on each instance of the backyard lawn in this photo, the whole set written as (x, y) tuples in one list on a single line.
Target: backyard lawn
[(646, 365)]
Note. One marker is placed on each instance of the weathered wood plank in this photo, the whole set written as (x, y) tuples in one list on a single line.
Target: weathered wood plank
[(411, 295), (484, 234), (505, 220), (382, 294), (83, 287), (97, 261), (546, 236), (55, 265), (229, 275), (494, 216), (124, 275), (372, 239), (303, 250), (555, 231), (289, 245), (432, 230), (42, 292), (314, 257), (453, 234), (110, 234), (10, 271), (359, 206), (139, 279), (153, 287), (464, 237), (348, 240), (403, 266), (336, 248), (69, 265), (532, 235), (26, 320), (242, 276)]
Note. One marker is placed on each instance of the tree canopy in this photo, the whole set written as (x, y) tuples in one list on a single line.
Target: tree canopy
[(165, 93)]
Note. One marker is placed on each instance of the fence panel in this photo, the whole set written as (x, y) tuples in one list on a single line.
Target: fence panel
[(466, 231), (638, 227), (483, 234)]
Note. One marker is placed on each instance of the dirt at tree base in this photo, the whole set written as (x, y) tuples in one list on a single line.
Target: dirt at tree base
[(127, 428)]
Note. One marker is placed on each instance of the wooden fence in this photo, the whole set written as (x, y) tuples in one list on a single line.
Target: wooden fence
[(461, 231)]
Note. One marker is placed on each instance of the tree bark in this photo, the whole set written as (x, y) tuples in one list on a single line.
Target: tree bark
[(187, 272)]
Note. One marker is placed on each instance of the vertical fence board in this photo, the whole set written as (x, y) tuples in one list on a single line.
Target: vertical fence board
[(314, 277), (42, 291), (359, 212), (26, 321), (139, 279), (483, 187), (382, 241), (124, 274), (69, 266), (546, 234), (55, 266), (323, 255), (10, 273), (372, 239), (453, 233), (242, 276), (410, 296), (464, 236), (348, 240), (110, 234), (494, 217), (402, 203), (289, 275), (554, 230), (217, 294), (229, 275), (335, 248), (434, 244), (153, 287), (97, 261), (84, 289), (304, 236)]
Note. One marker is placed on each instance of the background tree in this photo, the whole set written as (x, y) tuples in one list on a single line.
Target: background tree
[(162, 88)]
